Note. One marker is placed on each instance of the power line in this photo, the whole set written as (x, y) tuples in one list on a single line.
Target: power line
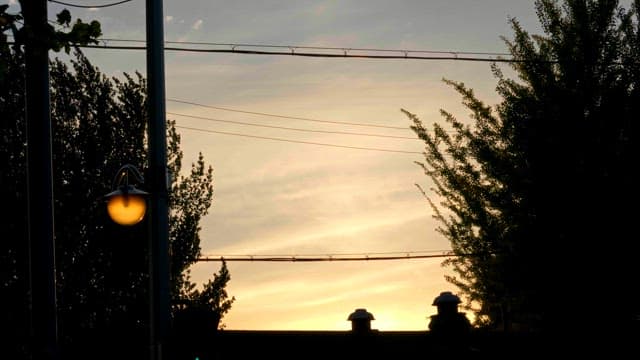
[(293, 48), (405, 56), (293, 129), (286, 117), (298, 141), (319, 258), (89, 6), (293, 118), (437, 55), (368, 253)]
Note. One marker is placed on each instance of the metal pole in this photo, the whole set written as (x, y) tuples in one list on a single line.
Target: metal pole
[(157, 181), (42, 275)]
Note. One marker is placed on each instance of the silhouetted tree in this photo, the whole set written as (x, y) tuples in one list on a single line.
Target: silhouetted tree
[(213, 297), (14, 266), (534, 191), (99, 124), (199, 313)]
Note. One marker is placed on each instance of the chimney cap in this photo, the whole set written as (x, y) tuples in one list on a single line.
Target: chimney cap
[(360, 314), (446, 297)]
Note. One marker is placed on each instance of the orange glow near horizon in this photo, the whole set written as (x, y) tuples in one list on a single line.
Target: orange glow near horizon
[(308, 297)]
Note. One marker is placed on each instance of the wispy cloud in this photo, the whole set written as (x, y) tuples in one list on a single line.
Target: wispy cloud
[(168, 18), (197, 25)]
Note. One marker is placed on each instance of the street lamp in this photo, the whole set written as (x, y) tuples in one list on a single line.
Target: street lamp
[(158, 239), (126, 204)]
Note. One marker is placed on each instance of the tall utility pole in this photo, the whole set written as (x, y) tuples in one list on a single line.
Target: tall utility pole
[(42, 275), (157, 181)]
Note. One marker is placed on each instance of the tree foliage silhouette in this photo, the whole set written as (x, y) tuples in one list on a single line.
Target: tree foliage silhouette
[(531, 191), (199, 314), (99, 124), (213, 297)]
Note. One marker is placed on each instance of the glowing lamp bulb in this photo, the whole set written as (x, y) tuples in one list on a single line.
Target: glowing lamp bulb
[(127, 207)]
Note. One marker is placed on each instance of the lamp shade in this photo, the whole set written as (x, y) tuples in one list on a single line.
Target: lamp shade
[(127, 205)]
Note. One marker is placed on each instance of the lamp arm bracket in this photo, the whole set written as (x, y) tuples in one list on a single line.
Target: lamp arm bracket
[(124, 172)]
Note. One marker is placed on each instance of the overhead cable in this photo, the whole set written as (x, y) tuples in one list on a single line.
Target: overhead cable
[(293, 258), (298, 141), (405, 54), (290, 128), (286, 117), (89, 6), (293, 48), (345, 54)]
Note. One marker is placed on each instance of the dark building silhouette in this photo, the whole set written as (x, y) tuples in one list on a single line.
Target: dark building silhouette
[(449, 322), (450, 335), (361, 321), (450, 327)]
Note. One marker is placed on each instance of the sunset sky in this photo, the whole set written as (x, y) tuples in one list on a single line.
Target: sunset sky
[(294, 199)]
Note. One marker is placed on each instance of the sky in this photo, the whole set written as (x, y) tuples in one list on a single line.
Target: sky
[(295, 199)]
